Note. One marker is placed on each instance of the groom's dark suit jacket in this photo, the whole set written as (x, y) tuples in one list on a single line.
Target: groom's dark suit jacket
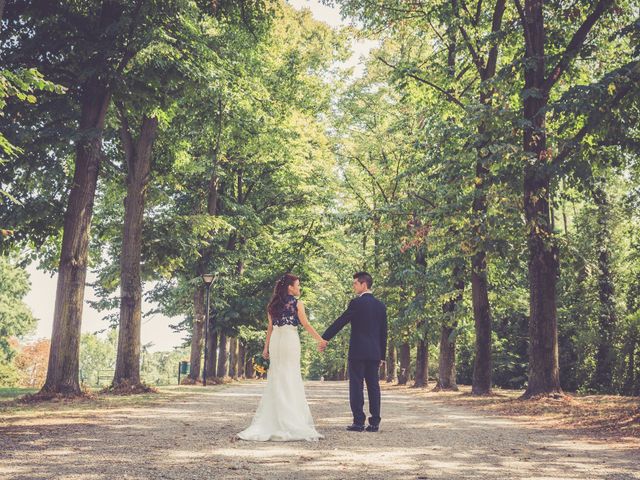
[(368, 318)]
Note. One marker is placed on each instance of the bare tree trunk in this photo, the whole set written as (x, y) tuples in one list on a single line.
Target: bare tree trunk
[(138, 155), (544, 371), (242, 351), (482, 320), (223, 363), (392, 373), (212, 358), (197, 337), (405, 364), (481, 384), (62, 371), (422, 364), (248, 368), (233, 357), (447, 360), (607, 318), (629, 387), (205, 254), (479, 284)]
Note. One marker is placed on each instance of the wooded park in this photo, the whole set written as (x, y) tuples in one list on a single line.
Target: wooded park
[(481, 159)]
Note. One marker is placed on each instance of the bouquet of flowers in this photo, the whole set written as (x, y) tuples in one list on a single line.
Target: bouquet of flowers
[(260, 364)]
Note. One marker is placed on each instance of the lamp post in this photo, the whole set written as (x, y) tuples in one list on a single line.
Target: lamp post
[(207, 278)]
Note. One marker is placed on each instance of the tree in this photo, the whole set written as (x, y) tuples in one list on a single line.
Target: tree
[(544, 376), (31, 361), (16, 319), (96, 44), (138, 155)]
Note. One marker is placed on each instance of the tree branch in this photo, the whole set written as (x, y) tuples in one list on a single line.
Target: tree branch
[(375, 180), (525, 27), (574, 46), (357, 194), (125, 134), (425, 200), (496, 25), (447, 94), (478, 12), (302, 244), (595, 119), (477, 60)]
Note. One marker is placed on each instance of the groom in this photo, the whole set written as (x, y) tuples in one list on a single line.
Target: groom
[(367, 350)]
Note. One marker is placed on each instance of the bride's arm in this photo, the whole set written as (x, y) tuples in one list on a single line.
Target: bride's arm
[(265, 351), (305, 323)]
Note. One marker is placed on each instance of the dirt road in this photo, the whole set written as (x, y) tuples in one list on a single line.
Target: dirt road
[(189, 434)]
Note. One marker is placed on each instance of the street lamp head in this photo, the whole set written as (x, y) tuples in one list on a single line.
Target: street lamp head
[(207, 278)]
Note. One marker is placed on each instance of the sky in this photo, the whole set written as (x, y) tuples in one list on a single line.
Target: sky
[(155, 329)]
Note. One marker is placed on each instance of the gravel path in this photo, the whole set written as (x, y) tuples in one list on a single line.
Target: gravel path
[(191, 436)]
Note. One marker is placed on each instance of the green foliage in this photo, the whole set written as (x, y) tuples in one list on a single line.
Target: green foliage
[(161, 368), (97, 358), (16, 320), (98, 355), (269, 159)]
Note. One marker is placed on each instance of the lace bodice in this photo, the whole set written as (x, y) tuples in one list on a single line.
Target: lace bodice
[(289, 314)]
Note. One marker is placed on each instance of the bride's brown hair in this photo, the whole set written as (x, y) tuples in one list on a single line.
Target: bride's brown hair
[(280, 293)]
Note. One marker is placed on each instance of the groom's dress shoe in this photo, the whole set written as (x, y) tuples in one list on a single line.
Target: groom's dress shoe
[(355, 428), (372, 428)]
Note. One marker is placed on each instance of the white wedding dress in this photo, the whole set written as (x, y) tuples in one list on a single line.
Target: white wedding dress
[(283, 413)]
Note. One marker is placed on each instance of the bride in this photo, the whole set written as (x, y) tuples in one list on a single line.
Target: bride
[(283, 413)]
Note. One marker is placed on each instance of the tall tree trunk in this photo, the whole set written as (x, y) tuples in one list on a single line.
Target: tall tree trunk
[(212, 357), (62, 371), (422, 364), (197, 337), (607, 317), (447, 360), (242, 352), (481, 384), (629, 386), (233, 357), (382, 371), (138, 155), (447, 356), (202, 267), (421, 379), (405, 364), (479, 284), (482, 320), (544, 371), (392, 372), (223, 362), (248, 368)]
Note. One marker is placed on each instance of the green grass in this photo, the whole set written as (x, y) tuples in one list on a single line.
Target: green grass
[(96, 402), (9, 393)]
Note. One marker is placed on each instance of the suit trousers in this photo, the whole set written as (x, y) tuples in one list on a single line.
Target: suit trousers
[(366, 371)]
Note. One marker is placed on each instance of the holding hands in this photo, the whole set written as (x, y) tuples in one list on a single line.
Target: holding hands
[(322, 344)]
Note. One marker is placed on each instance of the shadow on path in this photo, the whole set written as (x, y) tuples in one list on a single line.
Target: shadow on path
[(192, 436)]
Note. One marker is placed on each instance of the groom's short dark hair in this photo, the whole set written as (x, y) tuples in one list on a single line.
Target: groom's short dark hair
[(364, 277)]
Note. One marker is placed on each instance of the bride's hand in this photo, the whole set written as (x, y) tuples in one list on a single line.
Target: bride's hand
[(265, 353), (322, 344)]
